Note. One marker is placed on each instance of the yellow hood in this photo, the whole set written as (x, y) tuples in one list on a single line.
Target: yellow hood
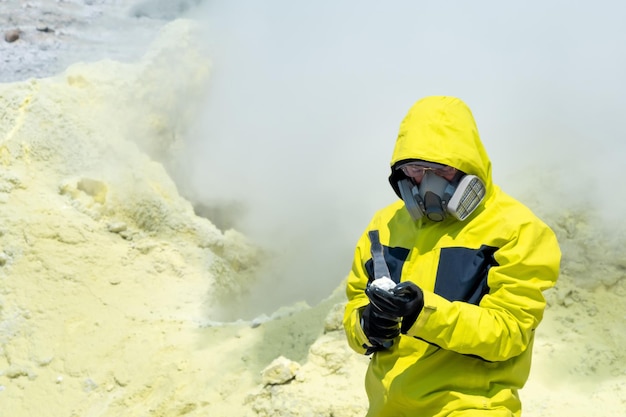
[(441, 129)]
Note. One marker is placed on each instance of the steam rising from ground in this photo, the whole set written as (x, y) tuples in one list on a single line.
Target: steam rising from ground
[(293, 141), (305, 101), (109, 279)]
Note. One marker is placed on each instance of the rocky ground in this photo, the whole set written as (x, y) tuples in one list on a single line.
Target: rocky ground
[(41, 38), (109, 281)]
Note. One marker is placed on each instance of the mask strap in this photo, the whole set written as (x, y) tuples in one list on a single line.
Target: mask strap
[(449, 192)]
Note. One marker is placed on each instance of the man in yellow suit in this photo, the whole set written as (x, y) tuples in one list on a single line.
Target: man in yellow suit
[(445, 290)]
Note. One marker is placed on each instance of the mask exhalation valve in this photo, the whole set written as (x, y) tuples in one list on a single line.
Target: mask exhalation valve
[(433, 207)]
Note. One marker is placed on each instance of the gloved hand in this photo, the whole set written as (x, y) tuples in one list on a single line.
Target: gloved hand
[(405, 300), (380, 328)]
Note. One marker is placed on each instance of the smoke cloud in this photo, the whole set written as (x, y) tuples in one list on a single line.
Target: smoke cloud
[(296, 134)]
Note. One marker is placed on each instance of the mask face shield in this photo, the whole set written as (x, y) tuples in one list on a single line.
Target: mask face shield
[(435, 197)]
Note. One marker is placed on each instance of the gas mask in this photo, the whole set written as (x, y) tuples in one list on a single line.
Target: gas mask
[(436, 198)]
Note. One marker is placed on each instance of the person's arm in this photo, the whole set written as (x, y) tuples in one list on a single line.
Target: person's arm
[(357, 299), (501, 326)]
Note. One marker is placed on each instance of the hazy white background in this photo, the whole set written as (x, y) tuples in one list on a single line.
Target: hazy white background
[(306, 99), (293, 141)]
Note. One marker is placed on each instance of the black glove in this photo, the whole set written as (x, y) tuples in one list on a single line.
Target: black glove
[(379, 328), (405, 300)]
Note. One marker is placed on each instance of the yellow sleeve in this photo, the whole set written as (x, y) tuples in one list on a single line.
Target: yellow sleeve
[(502, 325), (357, 300)]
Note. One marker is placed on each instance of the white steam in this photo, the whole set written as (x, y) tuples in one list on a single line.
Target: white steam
[(306, 99)]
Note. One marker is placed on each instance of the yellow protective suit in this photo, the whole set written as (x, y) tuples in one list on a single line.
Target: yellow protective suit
[(469, 350)]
